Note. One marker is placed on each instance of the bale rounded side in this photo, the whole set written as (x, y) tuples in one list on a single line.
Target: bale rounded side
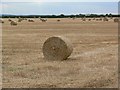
[(57, 48)]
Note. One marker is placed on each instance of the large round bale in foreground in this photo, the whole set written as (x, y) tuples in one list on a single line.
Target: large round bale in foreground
[(57, 48)]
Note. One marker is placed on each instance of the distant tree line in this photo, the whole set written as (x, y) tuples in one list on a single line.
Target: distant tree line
[(61, 16)]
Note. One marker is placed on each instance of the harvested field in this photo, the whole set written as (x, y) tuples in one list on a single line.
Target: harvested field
[(93, 63)]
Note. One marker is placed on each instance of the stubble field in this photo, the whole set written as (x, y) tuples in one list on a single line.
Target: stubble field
[(93, 63)]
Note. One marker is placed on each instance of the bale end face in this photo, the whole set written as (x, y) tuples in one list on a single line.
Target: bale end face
[(57, 48)]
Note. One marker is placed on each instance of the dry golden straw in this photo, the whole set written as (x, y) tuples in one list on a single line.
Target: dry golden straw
[(57, 48)]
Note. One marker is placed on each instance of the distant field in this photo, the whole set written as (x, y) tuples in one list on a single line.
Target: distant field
[(93, 63)]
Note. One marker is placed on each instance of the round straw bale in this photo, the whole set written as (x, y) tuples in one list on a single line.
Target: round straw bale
[(57, 48), (1, 21), (30, 20), (83, 19), (19, 20), (116, 20), (105, 19), (58, 20), (9, 20), (89, 19), (13, 23)]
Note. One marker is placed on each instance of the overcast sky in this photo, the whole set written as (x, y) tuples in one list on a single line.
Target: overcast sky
[(40, 7), (60, 0)]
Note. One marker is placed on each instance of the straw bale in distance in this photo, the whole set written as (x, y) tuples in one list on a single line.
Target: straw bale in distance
[(13, 23)]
